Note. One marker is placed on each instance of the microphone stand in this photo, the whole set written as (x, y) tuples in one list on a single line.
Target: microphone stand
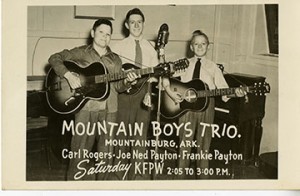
[(161, 53), (161, 60)]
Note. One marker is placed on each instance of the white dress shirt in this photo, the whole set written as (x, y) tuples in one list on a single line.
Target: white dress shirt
[(126, 51)]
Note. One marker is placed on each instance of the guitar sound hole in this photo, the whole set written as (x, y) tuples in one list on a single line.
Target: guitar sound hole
[(190, 95)]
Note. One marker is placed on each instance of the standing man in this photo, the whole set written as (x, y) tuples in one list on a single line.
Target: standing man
[(136, 50), (93, 111), (208, 71)]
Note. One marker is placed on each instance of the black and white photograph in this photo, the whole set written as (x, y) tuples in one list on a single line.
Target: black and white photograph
[(151, 93), (139, 93)]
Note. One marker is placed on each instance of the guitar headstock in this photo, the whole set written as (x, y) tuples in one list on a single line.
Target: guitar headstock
[(180, 65), (260, 88), (170, 68)]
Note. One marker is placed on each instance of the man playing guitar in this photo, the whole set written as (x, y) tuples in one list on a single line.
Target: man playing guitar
[(199, 68), (94, 110)]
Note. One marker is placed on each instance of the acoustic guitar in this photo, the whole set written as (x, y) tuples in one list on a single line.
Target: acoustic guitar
[(94, 83), (195, 96)]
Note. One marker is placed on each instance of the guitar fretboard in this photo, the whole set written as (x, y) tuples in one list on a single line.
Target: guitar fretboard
[(121, 75), (219, 92)]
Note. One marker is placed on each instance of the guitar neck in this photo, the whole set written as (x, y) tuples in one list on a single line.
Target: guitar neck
[(159, 70), (219, 92), (121, 75)]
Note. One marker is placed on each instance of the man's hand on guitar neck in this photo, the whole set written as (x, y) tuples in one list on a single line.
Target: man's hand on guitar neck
[(239, 92), (73, 80), (131, 78)]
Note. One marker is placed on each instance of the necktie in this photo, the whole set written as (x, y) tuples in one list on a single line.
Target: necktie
[(196, 73), (138, 54)]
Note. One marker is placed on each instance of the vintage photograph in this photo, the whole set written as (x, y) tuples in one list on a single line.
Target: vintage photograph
[(152, 92)]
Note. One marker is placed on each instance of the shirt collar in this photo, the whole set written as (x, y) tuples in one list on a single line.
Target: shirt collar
[(133, 38), (202, 58), (90, 47)]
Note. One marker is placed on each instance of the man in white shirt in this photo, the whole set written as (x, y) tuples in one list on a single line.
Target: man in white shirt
[(136, 50)]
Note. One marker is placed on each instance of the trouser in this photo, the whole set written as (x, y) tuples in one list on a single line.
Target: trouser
[(203, 141), (131, 110), (87, 142)]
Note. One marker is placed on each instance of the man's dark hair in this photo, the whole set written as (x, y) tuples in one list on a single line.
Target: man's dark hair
[(102, 21), (134, 11), (199, 32)]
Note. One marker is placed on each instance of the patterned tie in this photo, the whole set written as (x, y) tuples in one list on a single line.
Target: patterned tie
[(196, 74), (138, 54)]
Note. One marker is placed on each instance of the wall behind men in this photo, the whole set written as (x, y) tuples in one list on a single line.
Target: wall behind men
[(47, 23), (237, 35)]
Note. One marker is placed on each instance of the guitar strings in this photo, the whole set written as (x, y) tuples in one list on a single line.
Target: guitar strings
[(239, 81)]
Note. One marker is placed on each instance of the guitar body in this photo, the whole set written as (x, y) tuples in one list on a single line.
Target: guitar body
[(140, 82), (95, 83), (190, 102), (64, 100), (196, 94)]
